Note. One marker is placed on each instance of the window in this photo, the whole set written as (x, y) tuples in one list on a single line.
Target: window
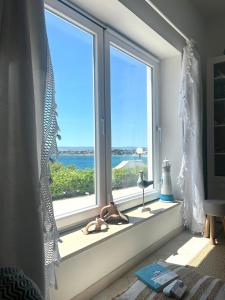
[(106, 96), (72, 57), (131, 122)]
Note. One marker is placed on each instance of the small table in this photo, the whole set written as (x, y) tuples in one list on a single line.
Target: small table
[(213, 208)]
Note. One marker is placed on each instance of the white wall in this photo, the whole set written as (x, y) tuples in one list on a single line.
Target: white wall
[(168, 116), (215, 37), (187, 19), (81, 271), (147, 14), (105, 12), (182, 13), (185, 16)]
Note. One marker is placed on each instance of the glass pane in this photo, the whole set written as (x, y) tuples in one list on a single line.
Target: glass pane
[(131, 115), (73, 171)]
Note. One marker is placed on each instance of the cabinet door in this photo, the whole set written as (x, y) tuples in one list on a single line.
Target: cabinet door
[(219, 118)]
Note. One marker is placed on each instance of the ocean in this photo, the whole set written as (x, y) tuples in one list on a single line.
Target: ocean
[(87, 161)]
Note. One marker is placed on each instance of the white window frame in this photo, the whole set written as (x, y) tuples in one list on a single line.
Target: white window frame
[(68, 14), (113, 38), (103, 39)]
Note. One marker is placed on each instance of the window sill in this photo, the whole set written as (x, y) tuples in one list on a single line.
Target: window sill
[(68, 212), (67, 206), (76, 242)]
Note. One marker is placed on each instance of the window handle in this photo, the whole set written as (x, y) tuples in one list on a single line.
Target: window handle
[(160, 134), (102, 124)]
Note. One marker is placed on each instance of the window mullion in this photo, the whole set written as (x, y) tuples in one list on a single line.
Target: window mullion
[(100, 130), (107, 118), (156, 128)]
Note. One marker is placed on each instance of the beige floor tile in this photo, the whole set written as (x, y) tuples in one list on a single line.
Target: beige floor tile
[(118, 287), (131, 278), (104, 295), (184, 236)]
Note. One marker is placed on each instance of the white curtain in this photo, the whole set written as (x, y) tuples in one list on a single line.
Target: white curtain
[(191, 174), (28, 128)]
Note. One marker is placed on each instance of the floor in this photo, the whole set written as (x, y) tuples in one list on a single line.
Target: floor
[(185, 249)]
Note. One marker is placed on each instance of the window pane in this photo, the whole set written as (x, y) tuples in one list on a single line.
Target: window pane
[(73, 172), (131, 115)]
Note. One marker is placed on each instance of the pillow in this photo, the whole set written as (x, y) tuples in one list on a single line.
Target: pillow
[(15, 285)]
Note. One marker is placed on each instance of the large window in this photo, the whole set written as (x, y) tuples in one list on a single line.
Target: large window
[(106, 92)]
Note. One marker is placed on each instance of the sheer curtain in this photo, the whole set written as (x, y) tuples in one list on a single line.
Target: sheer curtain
[(191, 174), (28, 128)]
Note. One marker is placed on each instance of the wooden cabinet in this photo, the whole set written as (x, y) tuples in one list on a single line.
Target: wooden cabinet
[(216, 128)]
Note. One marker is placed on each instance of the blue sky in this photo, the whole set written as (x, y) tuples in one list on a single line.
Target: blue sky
[(72, 56)]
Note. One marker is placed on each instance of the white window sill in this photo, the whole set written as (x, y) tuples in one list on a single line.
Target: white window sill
[(77, 242), (66, 206), (71, 212)]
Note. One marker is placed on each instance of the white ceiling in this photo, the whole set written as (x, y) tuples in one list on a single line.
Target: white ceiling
[(210, 9)]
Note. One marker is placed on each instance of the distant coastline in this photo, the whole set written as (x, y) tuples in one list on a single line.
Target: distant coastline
[(84, 158), (62, 151)]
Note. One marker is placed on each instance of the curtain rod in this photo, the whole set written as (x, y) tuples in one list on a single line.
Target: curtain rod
[(167, 20)]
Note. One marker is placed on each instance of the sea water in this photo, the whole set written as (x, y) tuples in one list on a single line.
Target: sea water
[(87, 161)]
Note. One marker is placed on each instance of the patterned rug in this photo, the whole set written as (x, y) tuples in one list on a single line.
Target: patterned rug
[(200, 287)]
